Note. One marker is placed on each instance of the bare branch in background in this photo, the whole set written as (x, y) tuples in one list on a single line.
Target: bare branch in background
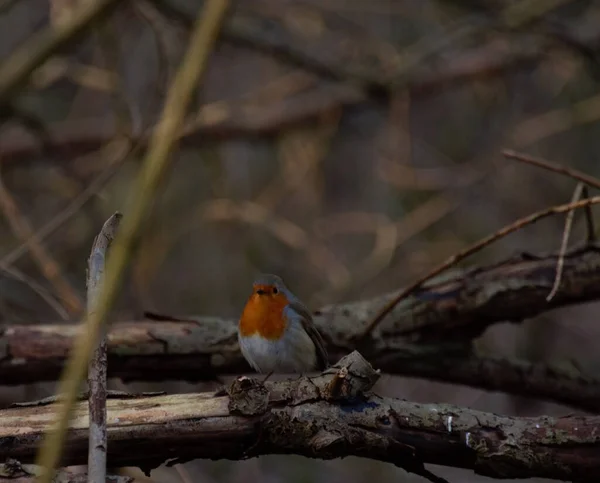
[(214, 121), (44, 294), (462, 254), (589, 219), (346, 52), (15, 71), (369, 59), (584, 179), (113, 155), (565, 242), (98, 363), (556, 168), (46, 263)]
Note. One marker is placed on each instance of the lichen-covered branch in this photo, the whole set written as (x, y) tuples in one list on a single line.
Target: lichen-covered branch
[(331, 416), (422, 337)]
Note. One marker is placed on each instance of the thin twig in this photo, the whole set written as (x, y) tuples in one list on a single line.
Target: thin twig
[(97, 370), (557, 168), (98, 366), (565, 242), (30, 122), (157, 24), (589, 218), (517, 225), (521, 13), (152, 173), (117, 152), (110, 51), (18, 275), (587, 179), (37, 288), (15, 71), (47, 264)]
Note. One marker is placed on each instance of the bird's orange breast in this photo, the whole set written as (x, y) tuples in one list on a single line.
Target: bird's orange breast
[(263, 315)]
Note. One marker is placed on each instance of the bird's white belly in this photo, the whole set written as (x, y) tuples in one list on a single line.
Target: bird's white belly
[(293, 353)]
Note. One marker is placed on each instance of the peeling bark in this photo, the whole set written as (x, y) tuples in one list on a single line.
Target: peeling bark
[(330, 416), (422, 337), (97, 368)]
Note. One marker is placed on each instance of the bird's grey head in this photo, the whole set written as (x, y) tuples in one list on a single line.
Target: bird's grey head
[(266, 282)]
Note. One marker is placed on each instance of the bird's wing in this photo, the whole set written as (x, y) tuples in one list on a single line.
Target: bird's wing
[(309, 326)]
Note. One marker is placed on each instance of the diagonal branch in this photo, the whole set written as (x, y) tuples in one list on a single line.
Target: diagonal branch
[(15, 71), (468, 251), (554, 167), (49, 267), (331, 416)]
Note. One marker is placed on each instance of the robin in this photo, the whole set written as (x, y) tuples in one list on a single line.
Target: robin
[(276, 331)]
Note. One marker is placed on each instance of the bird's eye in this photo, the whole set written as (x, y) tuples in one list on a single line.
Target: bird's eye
[(275, 291)]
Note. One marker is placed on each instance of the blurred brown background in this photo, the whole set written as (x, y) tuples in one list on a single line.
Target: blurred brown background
[(348, 170)]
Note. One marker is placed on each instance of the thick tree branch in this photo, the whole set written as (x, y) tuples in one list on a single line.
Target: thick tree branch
[(422, 337), (330, 416)]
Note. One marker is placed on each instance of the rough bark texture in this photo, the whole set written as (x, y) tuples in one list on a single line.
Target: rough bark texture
[(97, 369), (330, 416), (422, 337)]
